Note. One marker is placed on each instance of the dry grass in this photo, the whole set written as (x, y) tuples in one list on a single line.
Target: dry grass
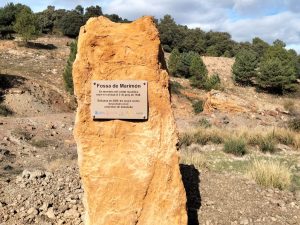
[(203, 136), (186, 139), (270, 174), (294, 124), (289, 105), (236, 146), (265, 139), (287, 137), (56, 164), (190, 157)]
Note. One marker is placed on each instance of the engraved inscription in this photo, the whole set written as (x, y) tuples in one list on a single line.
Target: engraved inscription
[(119, 99)]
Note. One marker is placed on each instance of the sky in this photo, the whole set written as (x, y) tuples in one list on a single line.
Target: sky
[(243, 19)]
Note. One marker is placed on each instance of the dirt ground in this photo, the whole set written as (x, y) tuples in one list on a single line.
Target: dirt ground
[(39, 180)]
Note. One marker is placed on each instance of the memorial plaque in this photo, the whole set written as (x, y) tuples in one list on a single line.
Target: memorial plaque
[(119, 99)]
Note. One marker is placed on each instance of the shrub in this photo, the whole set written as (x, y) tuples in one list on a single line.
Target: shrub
[(212, 82), (67, 75), (175, 87), (279, 135), (285, 137), (41, 143), (267, 144), (253, 139), (236, 146), (22, 134), (197, 106), (270, 174), (204, 136), (185, 139), (244, 67), (294, 124), (189, 157), (204, 123)]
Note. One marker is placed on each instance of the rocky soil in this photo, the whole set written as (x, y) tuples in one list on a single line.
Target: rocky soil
[(232, 199), (39, 179), (42, 197)]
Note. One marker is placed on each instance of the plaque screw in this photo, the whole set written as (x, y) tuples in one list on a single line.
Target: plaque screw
[(94, 83), (144, 83)]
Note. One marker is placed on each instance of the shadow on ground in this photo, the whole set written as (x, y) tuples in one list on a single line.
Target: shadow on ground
[(9, 81), (191, 181), (34, 45)]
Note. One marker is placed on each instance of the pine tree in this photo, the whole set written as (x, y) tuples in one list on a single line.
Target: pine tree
[(259, 46), (26, 25), (173, 62), (212, 82), (184, 63), (67, 75), (244, 68), (277, 72), (198, 72)]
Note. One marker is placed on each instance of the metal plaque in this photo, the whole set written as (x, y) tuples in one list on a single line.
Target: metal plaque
[(119, 99)]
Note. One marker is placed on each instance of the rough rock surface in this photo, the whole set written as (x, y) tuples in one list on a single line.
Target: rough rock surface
[(130, 170), (217, 100)]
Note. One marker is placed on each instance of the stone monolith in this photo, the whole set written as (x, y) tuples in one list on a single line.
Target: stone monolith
[(129, 169)]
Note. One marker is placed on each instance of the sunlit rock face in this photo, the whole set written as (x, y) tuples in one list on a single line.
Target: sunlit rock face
[(129, 169)]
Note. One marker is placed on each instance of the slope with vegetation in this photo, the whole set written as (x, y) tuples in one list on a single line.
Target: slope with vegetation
[(276, 70)]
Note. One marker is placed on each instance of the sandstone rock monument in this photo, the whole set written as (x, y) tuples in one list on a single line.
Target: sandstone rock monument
[(129, 169)]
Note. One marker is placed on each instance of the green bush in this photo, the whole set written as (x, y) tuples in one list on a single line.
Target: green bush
[(212, 82), (67, 75), (175, 87), (184, 64), (8, 15), (71, 22), (236, 146), (244, 67), (197, 106)]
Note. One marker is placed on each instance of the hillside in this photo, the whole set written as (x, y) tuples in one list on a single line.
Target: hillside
[(39, 181)]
